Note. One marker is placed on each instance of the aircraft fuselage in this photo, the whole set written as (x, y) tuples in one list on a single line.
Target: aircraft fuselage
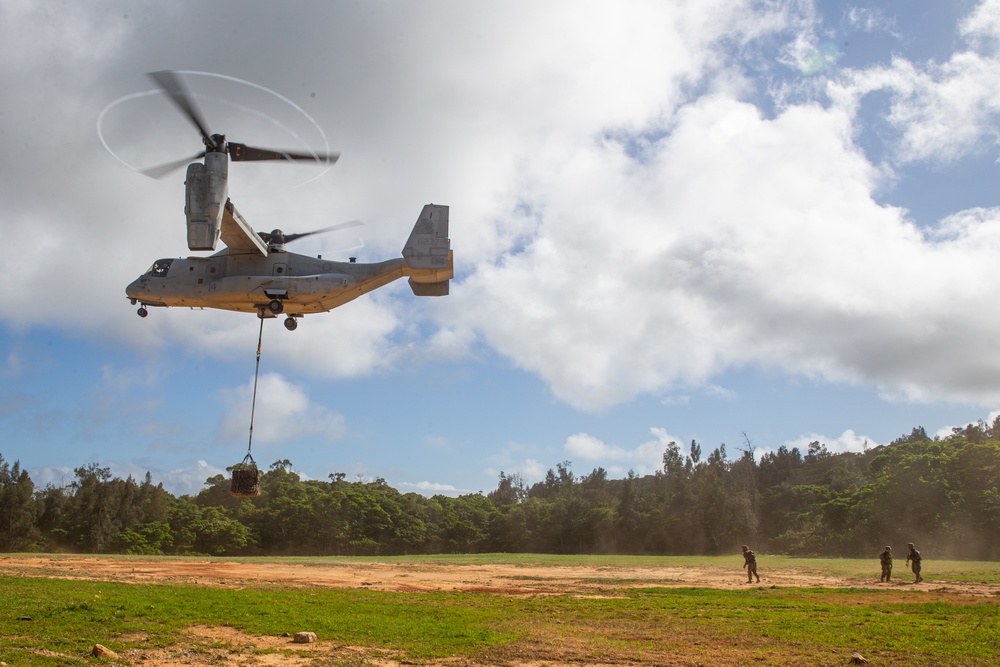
[(253, 277), (248, 283)]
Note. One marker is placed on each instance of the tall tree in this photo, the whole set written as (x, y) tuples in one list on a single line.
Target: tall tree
[(17, 508)]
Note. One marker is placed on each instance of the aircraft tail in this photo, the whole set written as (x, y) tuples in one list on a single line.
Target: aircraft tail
[(427, 253), (428, 245), (440, 288)]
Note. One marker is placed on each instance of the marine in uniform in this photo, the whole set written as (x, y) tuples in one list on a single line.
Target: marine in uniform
[(750, 563), (913, 557), (886, 559)]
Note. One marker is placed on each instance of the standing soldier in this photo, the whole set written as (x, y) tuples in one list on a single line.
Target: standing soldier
[(886, 559), (750, 563), (913, 556)]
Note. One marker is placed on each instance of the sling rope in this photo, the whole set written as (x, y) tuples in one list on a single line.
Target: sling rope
[(256, 374)]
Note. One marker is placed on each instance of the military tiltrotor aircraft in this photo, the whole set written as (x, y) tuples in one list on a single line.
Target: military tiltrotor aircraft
[(254, 273)]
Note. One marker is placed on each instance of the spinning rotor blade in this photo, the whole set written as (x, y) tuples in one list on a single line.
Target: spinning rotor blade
[(178, 93), (267, 237), (244, 153), (162, 170), (173, 85), (343, 225)]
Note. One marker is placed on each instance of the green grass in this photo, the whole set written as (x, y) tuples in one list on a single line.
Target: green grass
[(762, 625), (69, 617), (790, 626), (864, 570)]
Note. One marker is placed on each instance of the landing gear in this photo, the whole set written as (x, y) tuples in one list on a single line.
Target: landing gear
[(142, 312), (291, 324), (275, 306)]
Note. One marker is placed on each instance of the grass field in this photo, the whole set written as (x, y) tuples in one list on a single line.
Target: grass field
[(150, 624)]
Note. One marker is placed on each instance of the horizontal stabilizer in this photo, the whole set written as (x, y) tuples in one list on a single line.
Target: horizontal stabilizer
[(429, 289)]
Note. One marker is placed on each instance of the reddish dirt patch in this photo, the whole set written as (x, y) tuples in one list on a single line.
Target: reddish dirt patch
[(404, 577)]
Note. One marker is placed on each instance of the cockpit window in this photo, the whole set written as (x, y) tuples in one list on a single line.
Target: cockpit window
[(160, 268)]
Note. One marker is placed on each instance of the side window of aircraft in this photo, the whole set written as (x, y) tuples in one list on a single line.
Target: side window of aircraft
[(160, 268)]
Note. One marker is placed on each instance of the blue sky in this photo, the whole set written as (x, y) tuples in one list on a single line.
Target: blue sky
[(763, 222)]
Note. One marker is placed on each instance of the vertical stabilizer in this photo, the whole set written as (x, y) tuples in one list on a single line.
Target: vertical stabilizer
[(428, 245)]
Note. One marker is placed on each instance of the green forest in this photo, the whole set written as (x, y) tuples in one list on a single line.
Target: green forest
[(941, 493)]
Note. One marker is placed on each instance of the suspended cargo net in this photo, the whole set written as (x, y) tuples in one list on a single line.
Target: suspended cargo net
[(246, 475), (246, 479)]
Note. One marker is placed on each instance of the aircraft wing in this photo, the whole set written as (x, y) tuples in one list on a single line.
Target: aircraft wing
[(238, 234)]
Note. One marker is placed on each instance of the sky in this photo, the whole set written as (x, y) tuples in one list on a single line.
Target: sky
[(752, 223)]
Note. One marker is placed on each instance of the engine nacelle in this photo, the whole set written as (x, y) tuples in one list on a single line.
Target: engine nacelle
[(206, 191)]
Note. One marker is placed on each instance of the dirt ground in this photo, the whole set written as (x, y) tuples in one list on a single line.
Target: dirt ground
[(402, 577)]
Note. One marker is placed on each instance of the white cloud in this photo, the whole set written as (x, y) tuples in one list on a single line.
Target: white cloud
[(625, 219), (590, 448), (283, 414), (982, 25), (430, 489), (58, 476), (530, 469), (699, 275), (189, 479), (644, 459), (871, 20), (943, 111), (751, 242), (943, 432), (848, 441), (947, 431)]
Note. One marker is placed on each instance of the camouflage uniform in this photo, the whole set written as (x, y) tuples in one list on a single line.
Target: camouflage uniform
[(886, 559), (913, 556), (750, 563)]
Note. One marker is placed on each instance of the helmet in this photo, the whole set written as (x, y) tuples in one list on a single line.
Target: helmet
[(888, 548), (909, 544), (745, 547)]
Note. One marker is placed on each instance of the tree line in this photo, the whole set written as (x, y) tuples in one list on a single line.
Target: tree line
[(941, 493)]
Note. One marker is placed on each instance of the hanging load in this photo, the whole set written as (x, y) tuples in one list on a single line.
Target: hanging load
[(246, 475), (246, 479)]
